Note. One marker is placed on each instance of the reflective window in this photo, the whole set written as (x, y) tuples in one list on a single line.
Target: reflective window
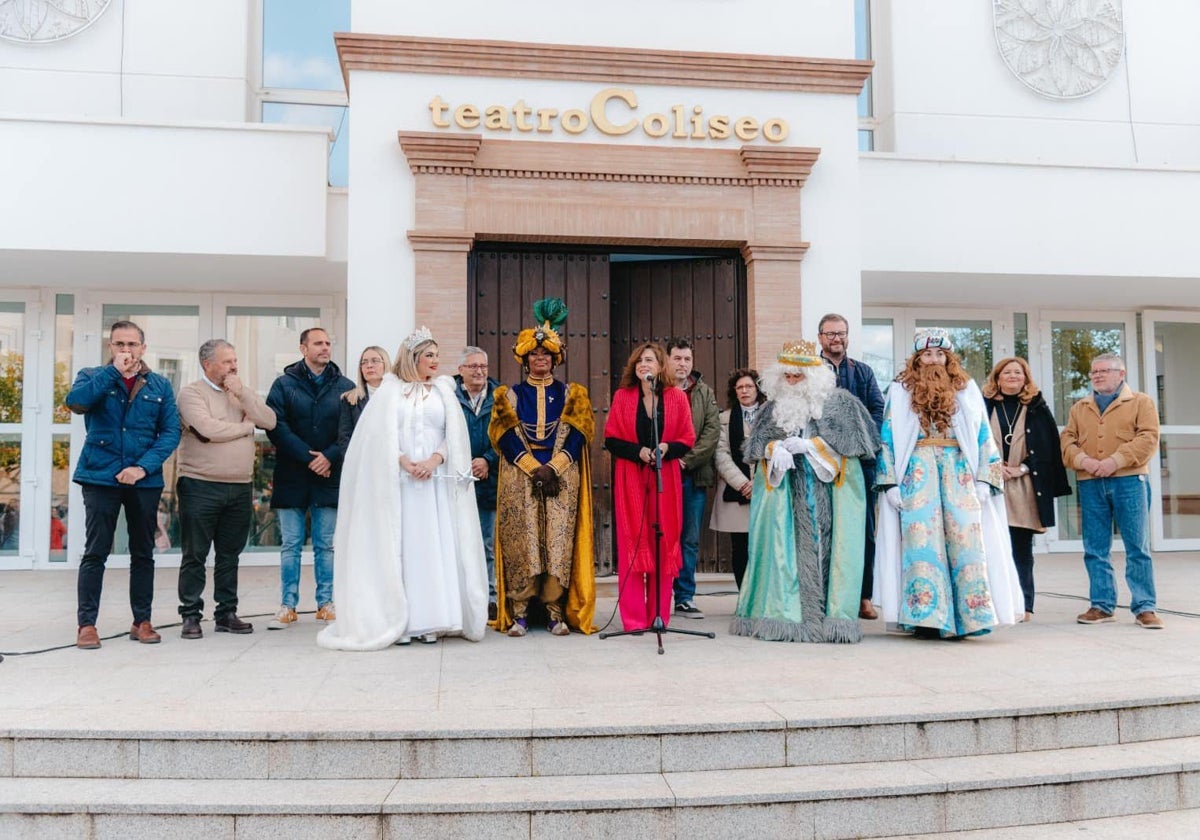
[(298, 49), (862, 50), (866, 140), (60, 445), (1176, 347), (876, 348), (12, 361), (267, 340), (972, 342), (1021, 335), (334, 117), (1073, 345)]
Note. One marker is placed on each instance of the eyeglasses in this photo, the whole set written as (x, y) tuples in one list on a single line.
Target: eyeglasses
[(841, 334), (125, 345), (1099, 371), (474, 367)]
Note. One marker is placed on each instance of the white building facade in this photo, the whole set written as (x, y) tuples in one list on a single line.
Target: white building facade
[(157, 167)]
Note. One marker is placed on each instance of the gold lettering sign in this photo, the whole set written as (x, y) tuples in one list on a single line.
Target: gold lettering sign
[(612, 111)]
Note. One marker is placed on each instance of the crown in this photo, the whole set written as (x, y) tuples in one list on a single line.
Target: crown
[(800, 354), (417, 338)]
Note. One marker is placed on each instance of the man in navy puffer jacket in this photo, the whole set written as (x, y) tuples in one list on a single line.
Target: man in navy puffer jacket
[(132, 428), (306, 400)]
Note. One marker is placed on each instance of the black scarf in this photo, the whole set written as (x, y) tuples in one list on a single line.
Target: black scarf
[(737, 436)]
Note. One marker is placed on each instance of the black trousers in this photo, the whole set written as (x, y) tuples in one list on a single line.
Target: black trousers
[(868, 584), (102, 505), (739, 555), (1022, 549), (211, 513)]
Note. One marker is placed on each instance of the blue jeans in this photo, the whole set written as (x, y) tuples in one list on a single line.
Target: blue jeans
[(693, 515), (291, 530), (1127, 501), (487, 526)]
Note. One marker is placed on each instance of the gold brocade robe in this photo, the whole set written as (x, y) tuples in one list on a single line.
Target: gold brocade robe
[(535, 535)]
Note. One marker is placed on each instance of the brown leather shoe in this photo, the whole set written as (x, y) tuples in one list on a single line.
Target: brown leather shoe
[(144, 632), (230, 623), (1148, 620), (867, 610), (88, 638), (1094, 615)]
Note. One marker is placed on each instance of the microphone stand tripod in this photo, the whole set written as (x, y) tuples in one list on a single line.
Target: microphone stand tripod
[(657, 626)]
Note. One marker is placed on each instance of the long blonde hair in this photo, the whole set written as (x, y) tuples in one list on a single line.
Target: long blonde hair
[(360, 390), (991, 388)]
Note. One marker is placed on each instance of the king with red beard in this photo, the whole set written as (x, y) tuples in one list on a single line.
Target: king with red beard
[(943, 563)]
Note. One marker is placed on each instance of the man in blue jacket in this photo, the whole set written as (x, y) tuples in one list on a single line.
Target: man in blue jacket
[(856, 377), (132, 428), (475, 390), (306, 400)]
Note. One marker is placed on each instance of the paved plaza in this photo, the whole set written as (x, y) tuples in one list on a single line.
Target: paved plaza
[(281, 680)]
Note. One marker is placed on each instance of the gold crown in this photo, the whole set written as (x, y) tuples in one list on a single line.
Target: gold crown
[(800, 354)]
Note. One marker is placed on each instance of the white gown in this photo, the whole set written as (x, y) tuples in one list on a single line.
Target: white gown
[(408, 554)]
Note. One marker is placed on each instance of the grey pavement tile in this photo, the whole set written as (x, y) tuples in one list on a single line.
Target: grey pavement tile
[(324, 826), (544, 793), (465, 757), (784, 819), (597, 755), (82, 757), (572, 825), (456, 826), (162, 827), (723, 750), (878, 816), (47, 826)]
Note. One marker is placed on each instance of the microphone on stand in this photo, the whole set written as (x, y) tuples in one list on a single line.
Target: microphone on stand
[(652, 378)]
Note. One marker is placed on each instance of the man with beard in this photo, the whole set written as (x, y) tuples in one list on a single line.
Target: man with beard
[(542, 428), (943, 562), (808, 506)]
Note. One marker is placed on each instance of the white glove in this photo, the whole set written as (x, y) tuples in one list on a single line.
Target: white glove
[(797, 445), (983, 491), (893, 497), (781, 461)]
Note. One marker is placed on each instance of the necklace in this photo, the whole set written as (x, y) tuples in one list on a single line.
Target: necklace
[(1008, 422)]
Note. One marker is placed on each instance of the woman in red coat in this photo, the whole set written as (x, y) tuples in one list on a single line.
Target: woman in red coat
[(629, 436)]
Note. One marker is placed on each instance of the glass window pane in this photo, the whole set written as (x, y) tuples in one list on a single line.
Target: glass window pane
[(172, 338), (878, 344), (1180, 485), (862, 50), (866, 140), (60, 493), (1073, 345), (1176, 348), (10, 493), (267, 340), (64, 339), (298, 48), (1021, 335), (972, 342), (12, 361), (335, 117)]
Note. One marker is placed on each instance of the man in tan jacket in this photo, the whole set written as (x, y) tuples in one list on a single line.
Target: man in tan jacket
[(1109, 440), (216, 462)]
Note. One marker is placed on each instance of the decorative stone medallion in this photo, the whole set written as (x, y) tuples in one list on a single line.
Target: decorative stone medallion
[(43, 21), (1061, 49)]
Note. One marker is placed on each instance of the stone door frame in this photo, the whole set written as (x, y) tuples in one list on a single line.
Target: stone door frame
[(468, 189)]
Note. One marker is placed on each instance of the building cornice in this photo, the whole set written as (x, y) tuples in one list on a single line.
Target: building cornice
[(526, 59), (433, 153)]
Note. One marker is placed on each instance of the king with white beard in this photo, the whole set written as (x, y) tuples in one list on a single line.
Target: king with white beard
[(808, 506)]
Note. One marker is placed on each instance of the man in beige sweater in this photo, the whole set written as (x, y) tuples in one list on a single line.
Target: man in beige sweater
[(215, 466)]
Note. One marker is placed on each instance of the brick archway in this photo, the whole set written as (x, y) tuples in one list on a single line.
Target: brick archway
[(469, 189)]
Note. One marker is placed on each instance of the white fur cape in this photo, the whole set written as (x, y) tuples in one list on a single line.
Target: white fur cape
[(368, 584), (1003, 582)]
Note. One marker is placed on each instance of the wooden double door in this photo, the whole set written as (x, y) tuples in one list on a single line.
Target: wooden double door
[(615, 305)]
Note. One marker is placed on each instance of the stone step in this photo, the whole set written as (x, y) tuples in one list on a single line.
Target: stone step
[(1171, 825), (579, 744), (923, 796)]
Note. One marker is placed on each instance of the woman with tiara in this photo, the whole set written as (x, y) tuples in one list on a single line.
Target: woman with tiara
[(408, 554)]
